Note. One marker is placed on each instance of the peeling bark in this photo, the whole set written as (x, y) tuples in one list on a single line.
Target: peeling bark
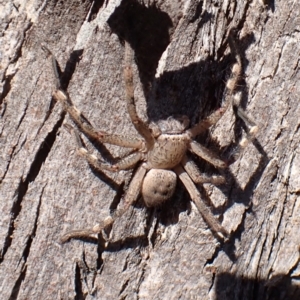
[(182, 63)]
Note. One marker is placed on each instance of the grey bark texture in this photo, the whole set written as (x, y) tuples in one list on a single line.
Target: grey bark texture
[(182, 63)]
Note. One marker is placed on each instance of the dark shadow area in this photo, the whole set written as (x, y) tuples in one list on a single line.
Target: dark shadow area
[(18, 283), (168, 213), (147, 31), (280, 287), (79, 295), (270, 4), (96, 5), (69, 70)]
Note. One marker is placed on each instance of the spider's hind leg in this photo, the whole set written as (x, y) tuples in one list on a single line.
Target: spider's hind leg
[(213, 223), (130, 197), (231, 93), (249, 126)]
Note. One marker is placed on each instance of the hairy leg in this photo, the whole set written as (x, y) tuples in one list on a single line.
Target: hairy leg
[(193, 171), (207, 155), (130, 197), (141, 127), (205, 212), (127, 162), (230, 98), (62, 97)]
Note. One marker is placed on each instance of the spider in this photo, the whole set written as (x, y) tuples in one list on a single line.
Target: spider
[(160, 152)]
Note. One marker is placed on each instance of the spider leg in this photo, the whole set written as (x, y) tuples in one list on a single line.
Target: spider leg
[(231, 98), (62, 97), (127, 162), (252, 128), (207, 155), (54, 66), (130, 197), (214, 117), (193, 171), (141, 127), (124, 163), (205, 212)]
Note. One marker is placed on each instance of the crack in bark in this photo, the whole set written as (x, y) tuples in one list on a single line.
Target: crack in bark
[(18, 52), (13, 60), (2, 108), (100, 250), (20, 146), (152, 229), (79, 295), (276, 67), (21, 191), (26, 250), (23, 115), (16, 289), (96, 6), (210, 261), (5, 90), (123, 287), (11, 154), (294, 268), (205, 17), (25, 254), (86, 270), (212, 282), (140, 281), (27, 103), (276, 230)]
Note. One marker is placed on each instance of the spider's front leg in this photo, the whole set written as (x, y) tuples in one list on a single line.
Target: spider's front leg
[(61, 96), (130, 197), (142, 128)]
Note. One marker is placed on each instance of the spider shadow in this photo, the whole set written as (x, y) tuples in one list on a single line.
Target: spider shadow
[(147, 29), (195, 90), (270, 4), (209, 82), (177, 93), (230, 286)]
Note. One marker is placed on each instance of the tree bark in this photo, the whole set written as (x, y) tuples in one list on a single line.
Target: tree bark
[(182, 62)]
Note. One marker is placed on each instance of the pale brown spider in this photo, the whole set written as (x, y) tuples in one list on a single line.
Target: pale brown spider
[(160, 152)]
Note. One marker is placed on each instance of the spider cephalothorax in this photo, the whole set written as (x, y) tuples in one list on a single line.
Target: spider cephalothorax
[(170, 145), (161, 152)]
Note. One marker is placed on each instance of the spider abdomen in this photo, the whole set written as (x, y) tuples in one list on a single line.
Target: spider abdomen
[(168, 151), (158, 186)]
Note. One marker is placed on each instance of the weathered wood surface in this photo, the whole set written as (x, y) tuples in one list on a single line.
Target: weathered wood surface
[(167, 253)]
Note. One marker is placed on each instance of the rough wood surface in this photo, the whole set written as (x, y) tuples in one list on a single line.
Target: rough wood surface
[(169, 252)]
